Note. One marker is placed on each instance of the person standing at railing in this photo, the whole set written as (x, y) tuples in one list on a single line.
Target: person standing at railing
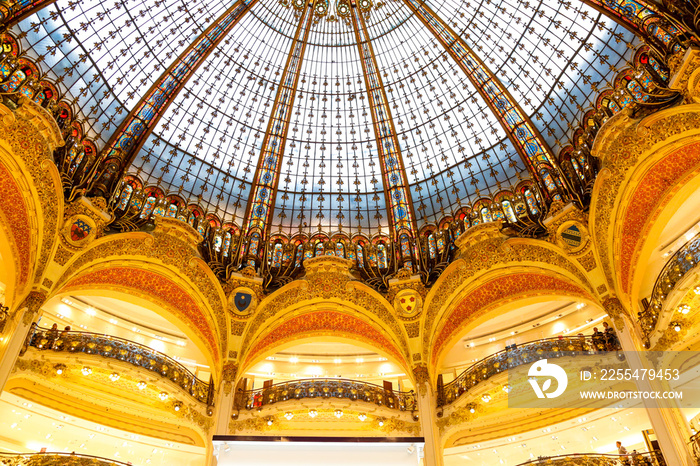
[(610, 337), (598, 340), (622, 451), (52, 336)]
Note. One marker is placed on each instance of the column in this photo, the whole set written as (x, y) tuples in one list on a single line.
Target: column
[(670, 426), (16, 331), (427, 411)]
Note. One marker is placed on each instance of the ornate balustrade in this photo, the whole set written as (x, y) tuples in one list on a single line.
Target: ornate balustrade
[(682, 262), (326, 388), (694, 443), (526, 353), (595, 459), (55, 459), (122, 350)]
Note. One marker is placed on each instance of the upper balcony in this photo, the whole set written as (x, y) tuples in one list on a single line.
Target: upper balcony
[(51, 340)]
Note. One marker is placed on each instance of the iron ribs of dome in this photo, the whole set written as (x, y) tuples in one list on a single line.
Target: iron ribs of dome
[(261, 202)]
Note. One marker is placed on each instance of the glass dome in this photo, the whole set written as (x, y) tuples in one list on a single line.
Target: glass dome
[(551, 56)]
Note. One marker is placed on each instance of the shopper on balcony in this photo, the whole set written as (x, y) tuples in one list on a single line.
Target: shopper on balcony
[(51, 336), (598, 339), (622, 451), (611, 340)]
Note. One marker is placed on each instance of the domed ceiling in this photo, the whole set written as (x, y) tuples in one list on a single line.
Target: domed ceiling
[(551, 56)]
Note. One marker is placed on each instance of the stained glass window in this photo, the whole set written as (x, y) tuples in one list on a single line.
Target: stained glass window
[(432, 249), (360, 256), (126, 194), (382, 260), (508, 209), (340, 249), (277, 256)]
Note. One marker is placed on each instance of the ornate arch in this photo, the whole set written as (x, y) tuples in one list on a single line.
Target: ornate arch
[(30, 193), (650, 166), (162, 266), (485, 253), (495, 290), (335, 323), (328, 285)]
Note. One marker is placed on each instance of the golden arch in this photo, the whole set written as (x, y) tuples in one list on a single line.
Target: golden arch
[(152, 289), (494, 292)]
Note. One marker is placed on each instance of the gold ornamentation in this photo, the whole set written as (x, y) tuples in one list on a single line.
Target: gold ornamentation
[(416, 357), (237, 327), (408, 303), (228, 376), (587, 261), (613, 307), (412, 329), (602, 289), (421, 378)]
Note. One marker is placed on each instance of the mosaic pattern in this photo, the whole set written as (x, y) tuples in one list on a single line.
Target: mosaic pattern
[(500, 291), (157, 288)]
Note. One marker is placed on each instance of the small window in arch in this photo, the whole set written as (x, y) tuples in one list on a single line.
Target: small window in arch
[(486, 215), (432, 248), (172, 211), (531, 202), (159, 211), (340, 249), (360, 256), (319, 249), (381, 257), (126, 194), (300, 253), (277, 256), (508, 209), (218, 242), (308, 253), (227, 243), (148, 207)]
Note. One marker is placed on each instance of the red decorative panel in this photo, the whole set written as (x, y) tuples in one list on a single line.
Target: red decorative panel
[(14, 211), (647, 200), (160, 288), (326, 323), (501, 290)]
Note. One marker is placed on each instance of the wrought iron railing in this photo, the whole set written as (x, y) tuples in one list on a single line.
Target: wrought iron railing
[(55, 459), (677, 267), (515, 356), (326, 388), (596, 459), (122, 350)]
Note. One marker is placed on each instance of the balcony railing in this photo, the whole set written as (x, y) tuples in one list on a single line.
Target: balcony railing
[(55, 459), (677, 267), (695, 446), (526, 353), (122, 350), (326, 388), (595, 459)]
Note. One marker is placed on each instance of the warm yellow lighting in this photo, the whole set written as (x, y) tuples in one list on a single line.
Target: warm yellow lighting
[(141, 385), (313, 413), (294, 360), (362, 416), (684, 309), (163, 396), (113, 376), (338, 413), (86, 371), (288, 415)]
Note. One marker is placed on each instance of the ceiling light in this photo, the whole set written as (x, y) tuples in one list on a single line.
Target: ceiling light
[(381, 423), (288, 415), (676, 326), (269, 422), (697, 290), (177, 406), (362, 416), (472, 410), (684, 309), (91, 311), (294, 360), (86, 370), (141, 385), (113, 376), (113, 321), (337, 360), (338, 413), (180, 343), (486, 398), (359, 360), (313, 413), (163, 396)]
